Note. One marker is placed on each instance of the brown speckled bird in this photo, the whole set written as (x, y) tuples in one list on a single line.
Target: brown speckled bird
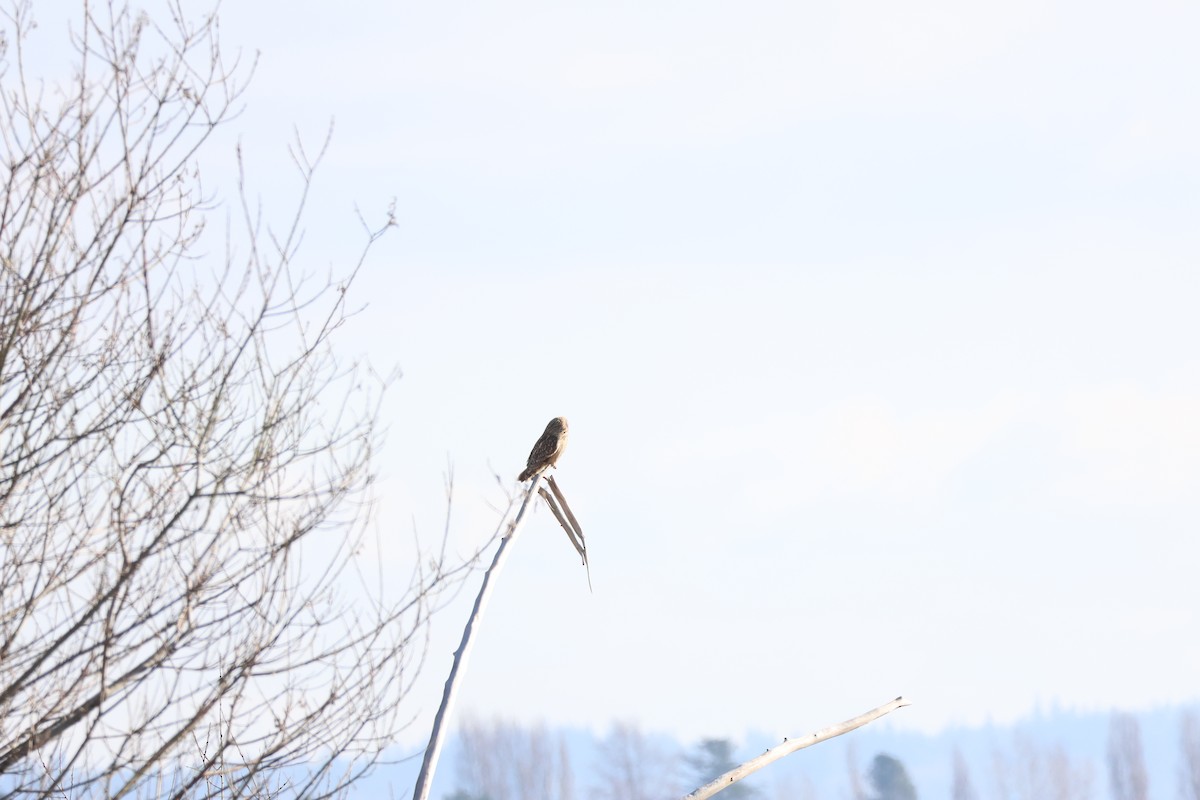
[(548, 448)]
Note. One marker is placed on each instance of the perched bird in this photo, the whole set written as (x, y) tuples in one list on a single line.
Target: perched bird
[(548, 448)]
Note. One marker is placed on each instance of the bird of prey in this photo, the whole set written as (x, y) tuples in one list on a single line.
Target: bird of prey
[(548, 448)]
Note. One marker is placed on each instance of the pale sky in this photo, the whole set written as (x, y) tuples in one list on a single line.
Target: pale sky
[(875, 323)]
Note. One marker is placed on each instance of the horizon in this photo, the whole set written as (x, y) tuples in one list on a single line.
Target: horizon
[(988, 752)]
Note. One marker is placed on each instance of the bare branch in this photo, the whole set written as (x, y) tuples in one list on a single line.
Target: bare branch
[(185, 457), (437, 736), (790, 746)]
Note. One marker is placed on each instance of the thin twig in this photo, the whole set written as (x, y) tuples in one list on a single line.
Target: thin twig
[(790, 746)]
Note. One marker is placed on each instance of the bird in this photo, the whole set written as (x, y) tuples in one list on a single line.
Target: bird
[(548, 448)]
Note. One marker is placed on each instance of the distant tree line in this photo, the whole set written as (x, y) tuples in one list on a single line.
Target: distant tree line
[(505, 761)]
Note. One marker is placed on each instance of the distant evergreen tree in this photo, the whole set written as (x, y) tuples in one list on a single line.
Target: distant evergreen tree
[(713, 757), (890, 779)]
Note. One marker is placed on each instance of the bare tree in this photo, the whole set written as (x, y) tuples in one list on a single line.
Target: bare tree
[(961, 787), (633, 766), (566, 775), (1027, 769), (505, 761), (1069, 779), (1000, 770), (1126, 766), (794, 787), (176, 433), (854, 773), (1189, 746), (1034, 772)]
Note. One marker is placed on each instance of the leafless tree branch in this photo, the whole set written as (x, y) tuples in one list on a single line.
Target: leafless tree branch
[(185, 461), (790, 746)]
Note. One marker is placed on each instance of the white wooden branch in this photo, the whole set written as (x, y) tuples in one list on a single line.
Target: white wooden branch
[(433, 750), (790, 746)]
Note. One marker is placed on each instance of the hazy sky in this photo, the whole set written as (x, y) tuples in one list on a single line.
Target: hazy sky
[(876, 325)]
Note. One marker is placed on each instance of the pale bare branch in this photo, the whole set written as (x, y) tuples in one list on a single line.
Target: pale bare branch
[(437, 736), (790, 746)]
